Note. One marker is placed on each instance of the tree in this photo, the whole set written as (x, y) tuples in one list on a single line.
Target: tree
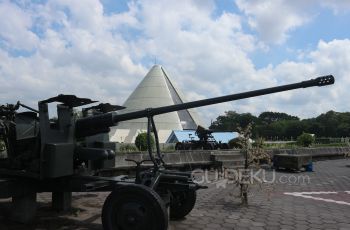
[(253, 155), (283, 126), (294, 129), (330, 121), (305, 140), (141, 141), (232, 120), (343, 130), (315, 127), (270, 117)]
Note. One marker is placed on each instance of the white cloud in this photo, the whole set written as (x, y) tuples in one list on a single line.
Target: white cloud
[(81, 50), (193, 45), (78, 52), (338, 6), (274, 19), (15, 27), (329, 58)]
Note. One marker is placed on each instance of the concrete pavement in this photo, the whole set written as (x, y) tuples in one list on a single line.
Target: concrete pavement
[(307, 200)]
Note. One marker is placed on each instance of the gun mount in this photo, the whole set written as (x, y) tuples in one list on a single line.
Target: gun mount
[(58, 156)]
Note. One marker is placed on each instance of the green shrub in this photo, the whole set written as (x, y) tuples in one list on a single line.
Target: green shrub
[(169, 148), (305, 140), (259, 143), (2, 146), (236, 143), (141, 141), (2, 149), (127, 148)]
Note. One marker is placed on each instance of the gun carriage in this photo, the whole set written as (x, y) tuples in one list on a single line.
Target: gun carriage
[(61, 156)]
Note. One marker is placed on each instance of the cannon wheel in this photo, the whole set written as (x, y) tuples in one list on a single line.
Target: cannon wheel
[(134, 207), (182, 203)]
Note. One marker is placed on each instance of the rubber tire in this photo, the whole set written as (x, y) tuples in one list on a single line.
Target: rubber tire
[(179, 211), (152, 204)]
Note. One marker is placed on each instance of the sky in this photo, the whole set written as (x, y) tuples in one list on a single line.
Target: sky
[(103, 49)]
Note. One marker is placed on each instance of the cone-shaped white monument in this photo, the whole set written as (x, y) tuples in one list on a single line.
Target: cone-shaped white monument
[(155, 90)]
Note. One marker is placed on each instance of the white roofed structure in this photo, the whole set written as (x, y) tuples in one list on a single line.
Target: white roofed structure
[(155, 90)]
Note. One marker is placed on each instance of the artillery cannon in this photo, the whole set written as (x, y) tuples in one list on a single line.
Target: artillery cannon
[(206, 141), (59, 156)]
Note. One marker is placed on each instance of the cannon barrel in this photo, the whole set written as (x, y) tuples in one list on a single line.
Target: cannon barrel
[(98, 124)]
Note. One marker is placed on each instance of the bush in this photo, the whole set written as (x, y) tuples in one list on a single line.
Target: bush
[(236, 143), (2, 149), (259, 143), (305, 140), (169, 148), (2, 146), (127, 148), (141, 141)]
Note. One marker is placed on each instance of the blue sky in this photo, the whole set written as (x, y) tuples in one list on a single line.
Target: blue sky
[(102, 49), (325, 26)]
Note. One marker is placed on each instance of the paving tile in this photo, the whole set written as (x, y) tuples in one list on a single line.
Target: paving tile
[(221, 208)]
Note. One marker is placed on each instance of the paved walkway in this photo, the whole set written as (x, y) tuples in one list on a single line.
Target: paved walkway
[(314, 200)]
